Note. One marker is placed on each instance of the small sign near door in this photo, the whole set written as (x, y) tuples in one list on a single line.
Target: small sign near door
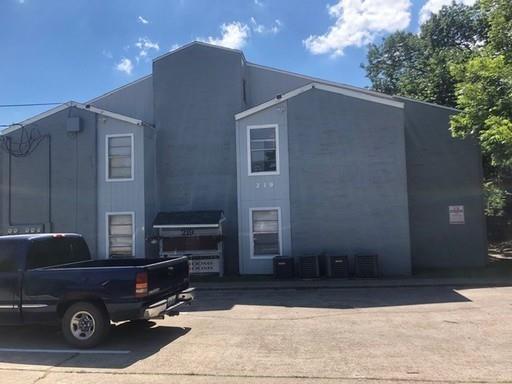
[(456, 213)]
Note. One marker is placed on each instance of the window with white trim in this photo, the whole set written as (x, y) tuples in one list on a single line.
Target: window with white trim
[(263, 149), (265, 232), (120, 234), (119, 157)]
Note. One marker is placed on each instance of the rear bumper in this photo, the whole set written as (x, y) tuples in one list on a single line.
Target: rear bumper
[(169, 306)]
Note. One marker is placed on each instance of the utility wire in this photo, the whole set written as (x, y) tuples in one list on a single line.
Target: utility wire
[(27, 105), (23, 105)]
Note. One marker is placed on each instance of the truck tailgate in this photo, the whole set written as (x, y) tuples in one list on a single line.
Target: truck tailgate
[(169, 275)]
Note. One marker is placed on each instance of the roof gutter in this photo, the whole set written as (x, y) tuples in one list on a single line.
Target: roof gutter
[(85, 107), (324, 87)]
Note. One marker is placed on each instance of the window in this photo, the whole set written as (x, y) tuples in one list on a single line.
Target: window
[(265, 232), (57, 251), (119, 157), (9, 255), (263, 150), (120, 234)]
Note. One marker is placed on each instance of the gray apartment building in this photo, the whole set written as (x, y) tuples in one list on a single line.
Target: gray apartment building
[(254, 161)]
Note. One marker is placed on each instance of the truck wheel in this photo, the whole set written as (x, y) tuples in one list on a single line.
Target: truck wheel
[(85, 325)]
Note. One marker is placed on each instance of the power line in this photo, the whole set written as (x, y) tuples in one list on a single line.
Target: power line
[(27, 105), (23, 105)]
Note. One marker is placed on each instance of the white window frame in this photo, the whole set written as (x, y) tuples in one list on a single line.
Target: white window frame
[(107, 159), (251, 233), (249, 152), (107, 228)]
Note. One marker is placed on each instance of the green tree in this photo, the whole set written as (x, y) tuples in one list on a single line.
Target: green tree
[(399, 57), (484, 96), (417, 66)]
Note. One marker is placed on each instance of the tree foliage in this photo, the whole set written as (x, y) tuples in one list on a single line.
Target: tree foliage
[(417, 65), (462, 57), (484, 95), (484, 88)]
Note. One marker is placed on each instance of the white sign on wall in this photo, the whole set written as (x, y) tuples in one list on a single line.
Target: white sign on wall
[(456, 213)]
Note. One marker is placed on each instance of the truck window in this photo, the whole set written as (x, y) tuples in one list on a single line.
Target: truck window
[(56, 251), (79, 250), (8, 253)]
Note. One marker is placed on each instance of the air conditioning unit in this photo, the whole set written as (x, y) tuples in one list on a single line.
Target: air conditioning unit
[(309, 267), (284, 267), (367, 265), (337, 266)]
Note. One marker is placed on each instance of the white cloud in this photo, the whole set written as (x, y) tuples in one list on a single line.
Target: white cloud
[(125, 65), (258, 3), (233, 35), (142, 20), (359, 22), (107, 54), (174, 47), (145, 45), (262, 29), (433, 6)]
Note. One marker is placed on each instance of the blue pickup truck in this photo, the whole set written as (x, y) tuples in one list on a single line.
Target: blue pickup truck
[(47, 278)]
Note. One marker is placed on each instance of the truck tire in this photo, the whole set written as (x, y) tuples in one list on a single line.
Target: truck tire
[(85, 325)]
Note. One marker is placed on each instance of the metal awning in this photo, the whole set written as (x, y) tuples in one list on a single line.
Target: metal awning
[(189, 219)]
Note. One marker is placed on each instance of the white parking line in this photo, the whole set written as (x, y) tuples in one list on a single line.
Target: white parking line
[(81, 351)]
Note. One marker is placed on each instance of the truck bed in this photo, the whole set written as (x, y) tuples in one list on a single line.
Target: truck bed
[(111, 281), (113, 263), (52, 278)]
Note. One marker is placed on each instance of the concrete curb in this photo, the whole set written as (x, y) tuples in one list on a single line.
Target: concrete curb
[(350, 284)]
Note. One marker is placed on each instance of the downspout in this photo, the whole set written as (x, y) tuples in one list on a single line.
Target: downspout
[(49, 184), (9, 217)]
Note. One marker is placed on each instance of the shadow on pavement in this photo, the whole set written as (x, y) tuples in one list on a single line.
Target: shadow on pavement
[(335, 298), (141, 342)]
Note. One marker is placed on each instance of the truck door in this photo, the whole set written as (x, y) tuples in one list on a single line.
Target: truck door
[(9, 283)]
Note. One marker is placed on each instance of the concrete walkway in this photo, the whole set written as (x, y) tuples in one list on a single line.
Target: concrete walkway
[(469, 282)]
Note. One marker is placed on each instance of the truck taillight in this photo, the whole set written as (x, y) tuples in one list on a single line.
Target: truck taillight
[(141, 284)]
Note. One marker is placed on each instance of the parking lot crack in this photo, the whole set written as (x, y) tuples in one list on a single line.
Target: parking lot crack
[(59, 364), (256, 376)]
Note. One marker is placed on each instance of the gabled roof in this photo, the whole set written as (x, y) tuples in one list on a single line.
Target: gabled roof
[(183, 219), (312, 79), (104, 95), (201, 43), (86, 107), (362, 93), (351, 92)]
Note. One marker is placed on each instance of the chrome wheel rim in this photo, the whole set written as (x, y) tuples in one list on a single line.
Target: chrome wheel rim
[(82, 325)]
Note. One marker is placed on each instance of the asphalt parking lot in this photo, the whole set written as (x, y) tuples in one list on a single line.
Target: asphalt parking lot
[(421, 334)]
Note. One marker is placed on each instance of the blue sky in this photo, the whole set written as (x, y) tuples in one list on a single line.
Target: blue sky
[(60, 50)]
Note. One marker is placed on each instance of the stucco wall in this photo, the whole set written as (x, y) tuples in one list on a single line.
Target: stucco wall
[(264, 84), (121, 196), (348, 186), (198, 90), (134, 100), (443, 171), (256, 191), (152, 204), (56, 184)]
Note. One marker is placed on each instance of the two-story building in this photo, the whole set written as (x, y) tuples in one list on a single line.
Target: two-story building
[(292, 164)]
